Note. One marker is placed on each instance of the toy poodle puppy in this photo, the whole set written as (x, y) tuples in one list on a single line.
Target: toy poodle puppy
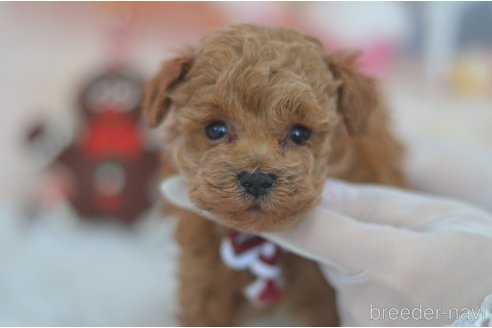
[(257, 118)]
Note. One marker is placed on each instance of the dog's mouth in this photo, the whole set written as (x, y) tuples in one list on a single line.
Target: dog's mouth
[(251, 214), (256, 207), (236, 207), (256, 204)]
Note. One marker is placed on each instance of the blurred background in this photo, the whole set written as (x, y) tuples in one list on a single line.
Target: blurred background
[(83, 236)]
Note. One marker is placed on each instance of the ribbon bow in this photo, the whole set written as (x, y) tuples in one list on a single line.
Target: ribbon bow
[(241, 251)]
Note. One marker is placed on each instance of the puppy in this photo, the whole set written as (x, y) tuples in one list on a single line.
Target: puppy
[(258, 118)]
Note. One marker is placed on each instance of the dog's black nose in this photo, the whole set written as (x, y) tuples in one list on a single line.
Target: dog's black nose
[(258, 183)]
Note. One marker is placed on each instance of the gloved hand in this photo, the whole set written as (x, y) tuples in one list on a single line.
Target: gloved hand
[(393, 257), (382, 248)]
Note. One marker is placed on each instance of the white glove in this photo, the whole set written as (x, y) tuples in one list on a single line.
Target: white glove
[(393, 257), (382, 248)]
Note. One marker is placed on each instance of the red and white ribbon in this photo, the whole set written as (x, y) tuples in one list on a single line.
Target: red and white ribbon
[(240, 251)]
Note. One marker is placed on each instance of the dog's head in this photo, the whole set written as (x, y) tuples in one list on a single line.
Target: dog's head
[(257, 115)]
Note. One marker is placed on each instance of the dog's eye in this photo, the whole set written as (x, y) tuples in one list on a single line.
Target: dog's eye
[(216, 130), (299, 134)]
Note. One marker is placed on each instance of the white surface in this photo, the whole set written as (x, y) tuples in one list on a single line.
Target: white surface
[(65, 274)]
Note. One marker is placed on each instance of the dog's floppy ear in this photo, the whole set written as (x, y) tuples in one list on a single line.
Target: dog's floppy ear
[(156, 101), (358, 95)]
